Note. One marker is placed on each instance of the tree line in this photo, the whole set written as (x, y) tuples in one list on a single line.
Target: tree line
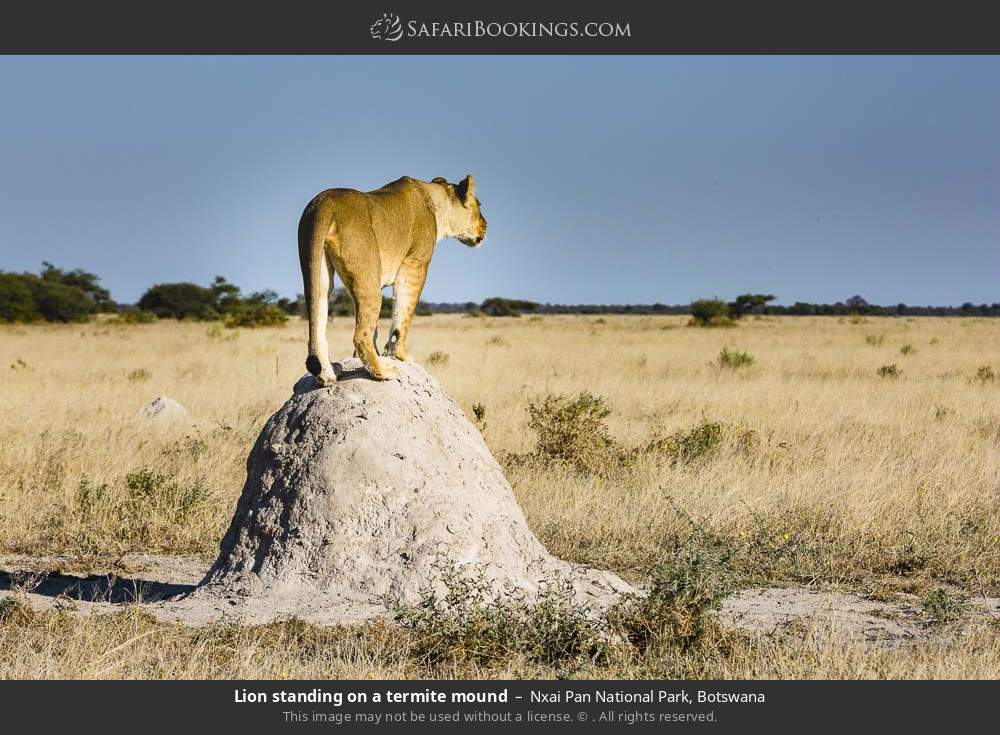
[(57, 295)]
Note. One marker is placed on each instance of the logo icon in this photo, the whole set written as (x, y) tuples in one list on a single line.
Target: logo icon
[(387, 28)]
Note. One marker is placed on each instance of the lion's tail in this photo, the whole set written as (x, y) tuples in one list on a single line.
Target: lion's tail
[(314, 228)]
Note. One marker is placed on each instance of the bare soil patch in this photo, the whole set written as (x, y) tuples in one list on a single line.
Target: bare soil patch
[(153, 581)]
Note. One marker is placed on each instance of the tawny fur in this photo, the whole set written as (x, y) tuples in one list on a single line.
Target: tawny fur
[(375, 239)]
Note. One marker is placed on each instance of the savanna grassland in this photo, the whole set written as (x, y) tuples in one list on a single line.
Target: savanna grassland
[(851, 454)]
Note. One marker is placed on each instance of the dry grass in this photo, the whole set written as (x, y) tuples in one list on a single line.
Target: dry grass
[(826, 471)]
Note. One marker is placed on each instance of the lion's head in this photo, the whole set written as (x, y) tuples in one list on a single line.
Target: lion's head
[(387, 28), (464, 218)]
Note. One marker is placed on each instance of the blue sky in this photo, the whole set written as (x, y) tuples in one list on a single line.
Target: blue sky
[(604, 179)]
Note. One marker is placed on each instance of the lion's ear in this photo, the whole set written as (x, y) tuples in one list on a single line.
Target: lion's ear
[(439, 180), (466, 189)]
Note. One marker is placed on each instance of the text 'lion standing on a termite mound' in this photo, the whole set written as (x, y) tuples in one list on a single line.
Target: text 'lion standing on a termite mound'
[(375, 239)]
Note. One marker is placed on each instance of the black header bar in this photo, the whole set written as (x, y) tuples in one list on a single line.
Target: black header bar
[(509, 27)]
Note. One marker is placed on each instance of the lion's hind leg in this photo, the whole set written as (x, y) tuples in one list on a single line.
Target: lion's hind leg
[(367, 305)]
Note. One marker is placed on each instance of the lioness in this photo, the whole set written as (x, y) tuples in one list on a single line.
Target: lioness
[(375, 239)]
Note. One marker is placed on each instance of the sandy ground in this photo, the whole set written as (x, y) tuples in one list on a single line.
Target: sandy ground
[(58, 581)]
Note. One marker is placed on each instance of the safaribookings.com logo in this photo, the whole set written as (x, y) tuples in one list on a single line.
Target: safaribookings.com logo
[(387, 28), (390, 28)]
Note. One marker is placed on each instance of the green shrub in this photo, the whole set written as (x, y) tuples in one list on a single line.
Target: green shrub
[(889, 371), (697, 574), (479, 411), (572, 430), (139, 375), (985, 374), (469, 624), (438, 358), (941, 606), (256, 314), (710, 313), (733, 359), (875, 340), (907, 349), (684, 447), (137, 316)]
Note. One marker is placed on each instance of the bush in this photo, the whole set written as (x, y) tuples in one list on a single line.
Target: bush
[(684, 447), (985, 374), (685, 588), (293, 307), (180, 301), (256, 314), (497, 306), (734, 359), (710, 313), (469, 625), (890, 371), (942, 606), (479, 411), (438, 358), (221, 300), (572, 430), (137, 316)]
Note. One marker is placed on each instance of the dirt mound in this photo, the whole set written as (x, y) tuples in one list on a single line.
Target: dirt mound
[(366, 492)]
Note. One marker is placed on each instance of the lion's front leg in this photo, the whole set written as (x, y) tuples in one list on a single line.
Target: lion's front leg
[(406, 294)]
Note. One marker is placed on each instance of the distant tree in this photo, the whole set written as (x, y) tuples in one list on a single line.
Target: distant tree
[(341, 304), (497, 306), (709, 312), (181, 301), (748, 303), (226, 295), (81, 279), (293, 306), (57, 302), (52, 295), (856, 302), (17, 298)]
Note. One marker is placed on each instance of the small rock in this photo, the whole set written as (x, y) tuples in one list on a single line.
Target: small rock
[(162, 408)]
